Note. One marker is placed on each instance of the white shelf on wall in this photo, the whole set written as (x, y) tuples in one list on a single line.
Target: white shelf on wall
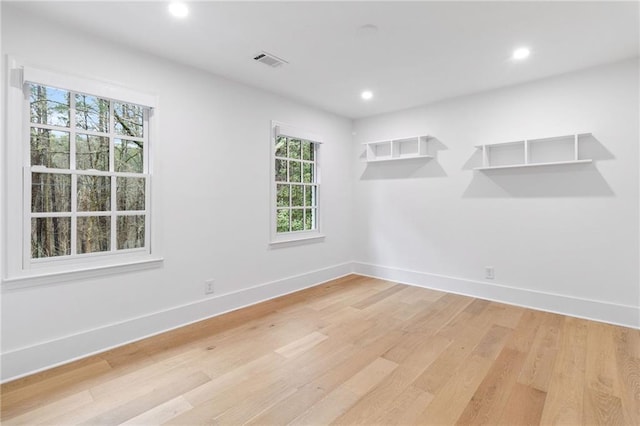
[(397, 149), (549, 151)]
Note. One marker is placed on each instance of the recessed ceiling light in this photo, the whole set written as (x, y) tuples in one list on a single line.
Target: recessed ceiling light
[(521, 53), (178, 9), (366, 95)]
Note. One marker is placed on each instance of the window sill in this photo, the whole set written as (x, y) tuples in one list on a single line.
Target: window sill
[(295, 240), (33, 280)]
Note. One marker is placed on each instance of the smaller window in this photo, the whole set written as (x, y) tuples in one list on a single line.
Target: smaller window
[(295, 185)]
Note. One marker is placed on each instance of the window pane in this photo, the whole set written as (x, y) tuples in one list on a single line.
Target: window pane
[(94, 193), (309, 219), (283, 195), (281, 170), (50, 236), (92, 152), (128, 119), (296, 195), (309, 195), (130, 232), (307, 172), (128, 156), (281, 146), (297, 220), (93, 234), (295, 170), (50, 192), (130, 193), (294, 148), (92, 113), (50, 148), (283, 220), (307, 150), (49, 105)]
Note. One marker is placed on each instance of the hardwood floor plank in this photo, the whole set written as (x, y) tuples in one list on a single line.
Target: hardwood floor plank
[(52, 373), (290, 374), (505, 315), (439, 314), (565, 397), (524, 406), (525, 332), (25, 398), (301, 345), (443, 368), (351, 351), (539, 363), (312, 392), (46, 413), (378, 297), (407, 311), (149, 401), (375, 403), (412, 295), (627, 347), (489, 400), (450, 401), (600, 373), (406, 407), (161, 414), (340, 399), (601, 408)]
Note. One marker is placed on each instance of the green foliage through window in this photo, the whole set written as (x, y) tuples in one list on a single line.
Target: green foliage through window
[(88, 173), (296, 185)]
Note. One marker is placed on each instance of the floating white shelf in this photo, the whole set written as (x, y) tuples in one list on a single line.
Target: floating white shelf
[(551, 151), (397, 149)]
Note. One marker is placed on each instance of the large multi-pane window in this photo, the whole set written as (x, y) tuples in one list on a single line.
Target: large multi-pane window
[(87, 181), (296, 185)]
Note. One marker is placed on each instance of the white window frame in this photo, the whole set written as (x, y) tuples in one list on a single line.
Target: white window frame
[(19, 269), (293, 237)]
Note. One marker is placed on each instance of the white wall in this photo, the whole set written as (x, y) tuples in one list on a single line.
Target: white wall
[(212, 165), (549, 232), (562, 238)]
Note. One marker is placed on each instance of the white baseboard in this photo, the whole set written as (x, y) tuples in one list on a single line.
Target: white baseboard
[(28, 360), (624, 315)]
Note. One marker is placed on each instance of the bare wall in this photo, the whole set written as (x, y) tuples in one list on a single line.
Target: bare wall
[(212, 165), (559, 230)]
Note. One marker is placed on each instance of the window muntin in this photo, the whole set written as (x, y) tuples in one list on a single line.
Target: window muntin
[(296, 185), (87, 176)]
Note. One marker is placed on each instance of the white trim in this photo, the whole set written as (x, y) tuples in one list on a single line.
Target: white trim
[(624, 315), (17, 267), (521, 166), (296, 237), (88, 86), (27, 360), (290, 239), (282, 129), (121, 267)]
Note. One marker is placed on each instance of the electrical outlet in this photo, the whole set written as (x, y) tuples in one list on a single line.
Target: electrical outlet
[(208, 287), (489, 273)]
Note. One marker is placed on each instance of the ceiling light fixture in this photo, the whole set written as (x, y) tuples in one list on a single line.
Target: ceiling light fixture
[(178, 9), (366, 95), (521, 53)]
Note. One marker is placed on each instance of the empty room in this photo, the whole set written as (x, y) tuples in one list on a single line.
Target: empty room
[(320, 212)]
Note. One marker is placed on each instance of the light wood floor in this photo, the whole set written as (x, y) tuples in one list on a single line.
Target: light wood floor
[(353, 351)]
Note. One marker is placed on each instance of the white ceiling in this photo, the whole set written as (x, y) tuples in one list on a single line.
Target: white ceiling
[(422, 51)]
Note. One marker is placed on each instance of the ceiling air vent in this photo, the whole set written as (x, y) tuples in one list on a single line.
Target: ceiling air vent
[(269, 59)]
